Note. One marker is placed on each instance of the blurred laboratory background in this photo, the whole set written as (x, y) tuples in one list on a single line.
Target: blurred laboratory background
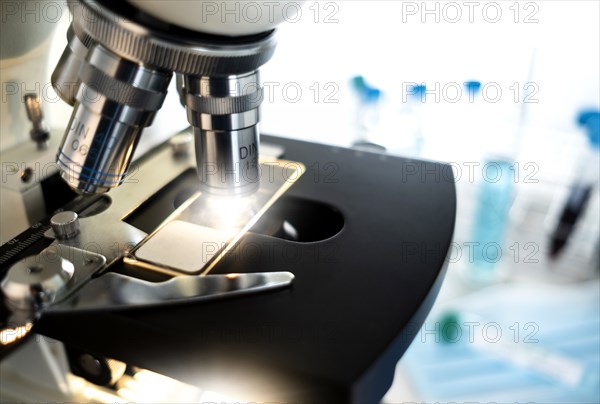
[(508, 94)]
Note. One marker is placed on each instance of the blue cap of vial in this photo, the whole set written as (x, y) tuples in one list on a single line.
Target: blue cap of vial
[(590, 120), (419, 91), (359, 83), (472, 87), (372, 94), (367, 93)]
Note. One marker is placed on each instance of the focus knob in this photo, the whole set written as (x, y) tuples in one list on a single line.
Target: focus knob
[(35, 281), (65, 224)]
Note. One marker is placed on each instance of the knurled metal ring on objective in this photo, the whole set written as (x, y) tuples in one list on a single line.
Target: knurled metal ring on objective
[(79, 42), (137, 43), (118, 91), (80, 36), (224, 105)]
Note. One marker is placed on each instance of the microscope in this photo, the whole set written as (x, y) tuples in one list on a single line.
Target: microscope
[(265, 268)]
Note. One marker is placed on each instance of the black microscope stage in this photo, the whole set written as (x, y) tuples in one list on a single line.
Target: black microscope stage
[(368, 249)]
